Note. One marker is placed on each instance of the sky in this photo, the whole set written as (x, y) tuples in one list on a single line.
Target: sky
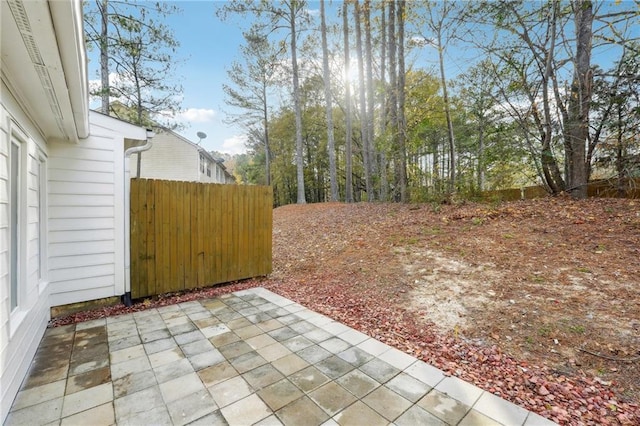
[(207, 48)]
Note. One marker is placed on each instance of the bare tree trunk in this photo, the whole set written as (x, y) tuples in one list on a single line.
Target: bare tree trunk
[(447, 113), (402, 122), (384, 184), (265, 124), (104, 55), (363, 106), (298, 110), (369, 90), (329, 107), (392, 88), (580, 100), (550, 168), (348, 133), (621, 166), (481, 178)]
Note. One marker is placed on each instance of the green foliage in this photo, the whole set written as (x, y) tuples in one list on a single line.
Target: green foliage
[(249, 169), (497, 106), (617, 106)]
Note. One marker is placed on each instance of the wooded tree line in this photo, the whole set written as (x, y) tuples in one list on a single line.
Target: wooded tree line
[(359, 105), (405, 101)]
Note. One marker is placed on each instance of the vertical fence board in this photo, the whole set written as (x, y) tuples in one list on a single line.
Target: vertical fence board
[(200, 215), (151, 240), (158, 219), (134, 206), (164, 284), (220, 200), (142, 263), (186, 235)]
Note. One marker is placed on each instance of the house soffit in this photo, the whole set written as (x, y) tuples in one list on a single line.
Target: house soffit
[(32, 67)]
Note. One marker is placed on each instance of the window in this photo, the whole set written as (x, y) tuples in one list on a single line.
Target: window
[(208, 169), (15, 221), (201, 163)]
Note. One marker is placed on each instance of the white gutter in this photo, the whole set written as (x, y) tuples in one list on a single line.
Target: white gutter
[(69, 31), (126, 298)]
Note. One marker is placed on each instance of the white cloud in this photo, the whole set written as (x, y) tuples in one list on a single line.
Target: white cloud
[(115, 79), (421, 41), (197, 115), (234, 145), (314, 13)]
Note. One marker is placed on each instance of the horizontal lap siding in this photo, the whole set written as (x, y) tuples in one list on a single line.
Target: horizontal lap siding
[(186, 235), (21, 330), (83, 189), (170, 158)]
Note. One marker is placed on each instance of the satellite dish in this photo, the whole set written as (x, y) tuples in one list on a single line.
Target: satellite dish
[(201, 135)]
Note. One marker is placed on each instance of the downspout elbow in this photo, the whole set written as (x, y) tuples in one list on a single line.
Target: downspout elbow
[(141, 148)]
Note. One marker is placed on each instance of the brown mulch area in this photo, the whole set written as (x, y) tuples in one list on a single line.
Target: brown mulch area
[(536, 301)]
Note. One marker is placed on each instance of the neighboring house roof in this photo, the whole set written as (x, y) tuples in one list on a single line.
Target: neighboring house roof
[(47, 69)]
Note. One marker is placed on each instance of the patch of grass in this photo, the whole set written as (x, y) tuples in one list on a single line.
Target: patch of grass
[(584, 270), (545, 330), (508, 236), (577, 329), (537, 279), (477, 221), (434, 231)]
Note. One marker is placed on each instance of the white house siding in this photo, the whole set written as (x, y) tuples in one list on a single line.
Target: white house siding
[(86, 218), (173, 157), (170, 158), (21, 328)]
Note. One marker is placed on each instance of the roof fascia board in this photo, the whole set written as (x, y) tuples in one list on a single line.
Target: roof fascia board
[(110, 124), (69, 30)]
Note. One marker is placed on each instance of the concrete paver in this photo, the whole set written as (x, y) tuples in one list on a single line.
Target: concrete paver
[(251, 357)]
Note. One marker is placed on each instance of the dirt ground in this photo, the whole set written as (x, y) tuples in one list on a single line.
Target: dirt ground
[(536, 301)]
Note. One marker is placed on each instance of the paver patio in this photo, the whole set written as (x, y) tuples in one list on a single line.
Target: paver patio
[(251, 357)]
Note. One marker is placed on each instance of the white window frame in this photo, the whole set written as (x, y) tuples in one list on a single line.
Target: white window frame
[(19, 138), (15, 222)]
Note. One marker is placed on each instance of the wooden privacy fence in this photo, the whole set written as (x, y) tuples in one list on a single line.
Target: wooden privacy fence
[(628, 188), (186, 235)]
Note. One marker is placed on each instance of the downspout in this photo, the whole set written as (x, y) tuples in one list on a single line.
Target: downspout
[(126, 297)]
